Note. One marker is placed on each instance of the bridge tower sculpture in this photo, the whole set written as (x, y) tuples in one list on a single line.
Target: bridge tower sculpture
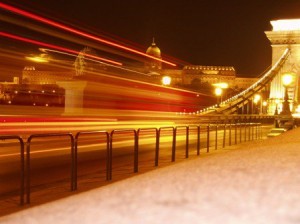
[(285, 34)]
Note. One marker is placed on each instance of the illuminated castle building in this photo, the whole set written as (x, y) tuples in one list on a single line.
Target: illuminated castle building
[(195, 75)]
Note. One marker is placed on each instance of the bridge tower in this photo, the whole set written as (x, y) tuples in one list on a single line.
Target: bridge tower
[(285, 34)]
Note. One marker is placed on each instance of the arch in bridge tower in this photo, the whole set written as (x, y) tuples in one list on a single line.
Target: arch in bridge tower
[(285, 34)]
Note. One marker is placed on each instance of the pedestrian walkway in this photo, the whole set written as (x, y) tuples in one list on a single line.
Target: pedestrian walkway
[(254, 182)]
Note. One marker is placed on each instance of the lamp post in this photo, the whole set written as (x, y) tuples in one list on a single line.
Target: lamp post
[(218, 92), (257, 97), (276, 106), (286, 80), (264, 108)]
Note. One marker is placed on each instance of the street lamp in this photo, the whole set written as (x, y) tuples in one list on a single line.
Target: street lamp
[(286, 80), (264, 104), (276, 108), (256, 99), (166, 80), (218, 92)]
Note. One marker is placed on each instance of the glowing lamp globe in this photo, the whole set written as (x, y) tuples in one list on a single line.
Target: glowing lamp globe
[(166, 80), (287, 79)]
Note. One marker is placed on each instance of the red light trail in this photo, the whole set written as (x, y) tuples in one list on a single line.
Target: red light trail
[(78, 32), (11, 36)]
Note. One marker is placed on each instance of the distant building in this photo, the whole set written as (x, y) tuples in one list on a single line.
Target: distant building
[(195, 75), (35, 77)]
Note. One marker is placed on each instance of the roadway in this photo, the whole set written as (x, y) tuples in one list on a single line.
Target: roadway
[(51, 161)]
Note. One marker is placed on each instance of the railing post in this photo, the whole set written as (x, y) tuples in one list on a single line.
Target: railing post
[(174, 144), (224, 136), (22, 163), (252, 128), (207, 143), (187, 142), (240, 132), (216, 140), (76, 153), (135, 151), (230, 134), (73, 157), (235, 133), (157, 147), (249, 133), (260, 128), (245, 134), (198, 140)]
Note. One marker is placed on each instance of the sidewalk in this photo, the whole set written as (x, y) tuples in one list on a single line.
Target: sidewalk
[(254, 182)]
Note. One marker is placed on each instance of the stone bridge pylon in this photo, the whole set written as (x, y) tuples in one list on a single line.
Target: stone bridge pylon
[(285, 34)]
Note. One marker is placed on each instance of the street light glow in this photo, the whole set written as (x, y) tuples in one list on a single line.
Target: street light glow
[(166, 80), (222, 85), (218, 91), (265, 103), (287, 79)]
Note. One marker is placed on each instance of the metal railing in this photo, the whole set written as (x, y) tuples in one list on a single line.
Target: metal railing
[(22, 163), (108, 153), (135, 166), (157, 136), (230, 130), (28, 164)]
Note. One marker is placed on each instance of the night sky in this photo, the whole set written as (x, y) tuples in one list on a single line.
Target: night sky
[(200, 32)]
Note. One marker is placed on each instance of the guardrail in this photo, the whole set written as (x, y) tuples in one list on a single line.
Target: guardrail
[(249, 130)]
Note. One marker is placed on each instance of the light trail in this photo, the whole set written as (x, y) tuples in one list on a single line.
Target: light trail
[(39, 43), (117, 144), (73, 55), (78, 32)]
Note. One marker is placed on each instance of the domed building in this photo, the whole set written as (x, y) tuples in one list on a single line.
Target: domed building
[(193, 76), (152, 64)]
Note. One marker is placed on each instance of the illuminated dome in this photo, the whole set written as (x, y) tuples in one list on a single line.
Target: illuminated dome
[(153, 50)]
